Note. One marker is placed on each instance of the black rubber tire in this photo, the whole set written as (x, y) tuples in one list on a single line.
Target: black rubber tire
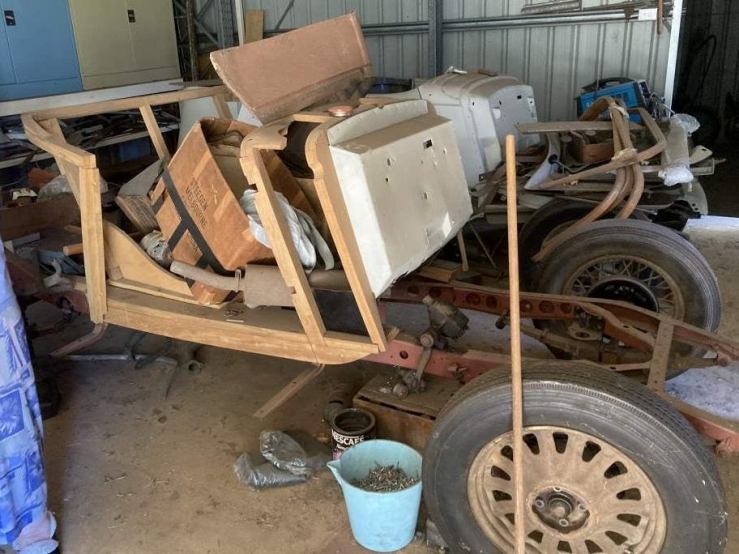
[(668, 249), (591, 400), (540, 224), (685, 264)]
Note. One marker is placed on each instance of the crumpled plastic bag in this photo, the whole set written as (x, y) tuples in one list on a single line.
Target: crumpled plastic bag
[(284, 460), (305, 236), (258, 473), (686, 121)]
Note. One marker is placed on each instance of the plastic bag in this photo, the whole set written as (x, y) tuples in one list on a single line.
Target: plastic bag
[(288, 454), (305, 236), (258, 473), (284, 460)]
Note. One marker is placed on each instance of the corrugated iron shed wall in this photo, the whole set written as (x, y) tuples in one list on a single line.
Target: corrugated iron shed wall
[(556, 57)]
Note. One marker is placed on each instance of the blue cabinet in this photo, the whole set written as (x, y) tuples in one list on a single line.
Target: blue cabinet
[(37, 49)]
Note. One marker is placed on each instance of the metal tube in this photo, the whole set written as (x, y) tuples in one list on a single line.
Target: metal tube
[(436, 43), (484, 23)]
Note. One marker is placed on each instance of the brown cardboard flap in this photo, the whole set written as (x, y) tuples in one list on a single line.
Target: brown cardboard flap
[(286, 73), (197, 202)]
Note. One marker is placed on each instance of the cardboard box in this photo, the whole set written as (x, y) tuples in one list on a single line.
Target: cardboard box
[(196, 203)]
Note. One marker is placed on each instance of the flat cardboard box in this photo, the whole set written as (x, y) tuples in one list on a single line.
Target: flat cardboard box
[(281, 75), (197, 208)]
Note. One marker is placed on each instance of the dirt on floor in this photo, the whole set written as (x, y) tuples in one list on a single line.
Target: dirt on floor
[(131, 471)]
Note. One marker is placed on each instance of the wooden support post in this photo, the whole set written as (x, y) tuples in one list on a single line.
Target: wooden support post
[(155, 133), (224, 112), (283, 248), (463, 251), (91, 216), (253, 26), (289, 390), (516, 369), (337, 218), (660, 357)]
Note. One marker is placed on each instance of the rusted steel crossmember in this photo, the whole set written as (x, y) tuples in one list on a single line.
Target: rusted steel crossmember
[(633, 326)]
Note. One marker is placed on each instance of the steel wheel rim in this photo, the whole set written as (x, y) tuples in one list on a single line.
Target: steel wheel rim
[(629, 269), (618, 519)]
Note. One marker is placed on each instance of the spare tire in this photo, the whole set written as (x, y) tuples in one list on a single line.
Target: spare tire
[(609, 467)]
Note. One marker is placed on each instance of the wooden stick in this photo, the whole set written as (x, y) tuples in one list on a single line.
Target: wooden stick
[(72, 249), (289, 390), (463, 251), (515, 317)]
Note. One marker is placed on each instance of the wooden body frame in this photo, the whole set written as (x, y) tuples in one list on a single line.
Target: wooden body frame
[(124, 287)]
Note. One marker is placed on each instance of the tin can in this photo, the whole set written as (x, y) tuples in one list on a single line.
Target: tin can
[(349, 427)]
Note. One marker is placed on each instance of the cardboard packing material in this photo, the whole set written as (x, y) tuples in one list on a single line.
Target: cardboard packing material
[(319, 63), (196, 203)]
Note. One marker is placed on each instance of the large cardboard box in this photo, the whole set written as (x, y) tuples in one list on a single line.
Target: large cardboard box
[(196, 203)]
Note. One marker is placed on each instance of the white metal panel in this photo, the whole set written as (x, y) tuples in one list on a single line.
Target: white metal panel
[(401, 176)]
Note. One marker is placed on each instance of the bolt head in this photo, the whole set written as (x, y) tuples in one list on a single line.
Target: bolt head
[(564, 522)]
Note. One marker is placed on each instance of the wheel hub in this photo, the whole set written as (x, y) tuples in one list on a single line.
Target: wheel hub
[(627, 290), (561, 510), (631, 279)]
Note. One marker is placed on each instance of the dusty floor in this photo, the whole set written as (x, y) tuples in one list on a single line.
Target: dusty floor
[(132, 472)]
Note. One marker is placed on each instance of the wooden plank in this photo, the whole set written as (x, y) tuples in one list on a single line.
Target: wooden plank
[(139, 212), (53, 143), (440, 270), (91, 214), (253, 25), (289, 390), (155, 133), (409, 420), (660, 357), (20, 221), (269, 331), (72, 249), (283, 248), (133, 103), (337, 217), (222, 109)]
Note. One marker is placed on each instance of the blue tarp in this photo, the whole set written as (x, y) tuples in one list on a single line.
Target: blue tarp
[(22, 480)]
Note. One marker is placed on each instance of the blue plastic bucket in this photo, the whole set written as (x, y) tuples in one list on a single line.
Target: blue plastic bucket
[(380, 521)]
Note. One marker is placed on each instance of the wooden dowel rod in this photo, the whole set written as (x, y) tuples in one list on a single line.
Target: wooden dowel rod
[(515, 317)]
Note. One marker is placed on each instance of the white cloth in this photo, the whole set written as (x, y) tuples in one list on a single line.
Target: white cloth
[(304, 234)]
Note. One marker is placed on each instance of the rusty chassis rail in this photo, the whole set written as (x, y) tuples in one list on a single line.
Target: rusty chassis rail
[(650, 336)]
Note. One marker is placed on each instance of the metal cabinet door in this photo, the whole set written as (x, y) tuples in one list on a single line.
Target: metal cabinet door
[(39, 34), (7, 75), (152, 33), (103, 37)]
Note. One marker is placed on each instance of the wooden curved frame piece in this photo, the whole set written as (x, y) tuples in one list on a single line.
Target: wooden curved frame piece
[(129, 267)]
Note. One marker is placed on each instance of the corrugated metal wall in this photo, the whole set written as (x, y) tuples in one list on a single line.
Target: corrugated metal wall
[(556, 59)]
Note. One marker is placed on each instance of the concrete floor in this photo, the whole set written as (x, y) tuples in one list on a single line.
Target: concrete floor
[(132, 472)]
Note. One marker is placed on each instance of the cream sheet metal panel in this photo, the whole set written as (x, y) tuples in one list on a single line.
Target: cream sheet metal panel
[(402, 180)]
